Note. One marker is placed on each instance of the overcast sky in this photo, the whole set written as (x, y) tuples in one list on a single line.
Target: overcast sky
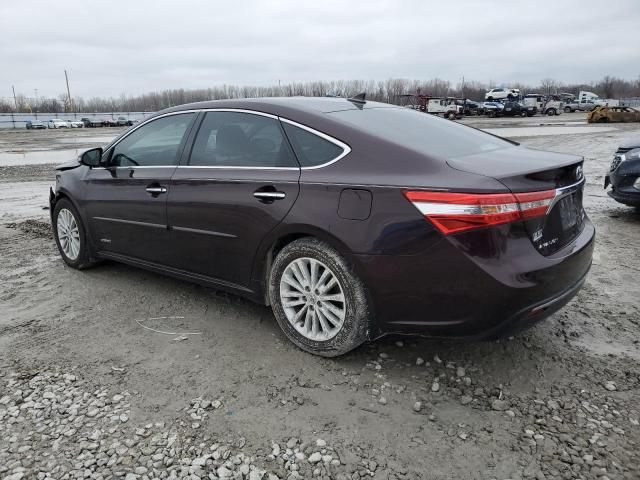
[(135, 46)]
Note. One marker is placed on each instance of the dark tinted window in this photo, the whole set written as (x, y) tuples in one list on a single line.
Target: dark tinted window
[(234, 139), (421, 132), (311, 149), (153, 144)]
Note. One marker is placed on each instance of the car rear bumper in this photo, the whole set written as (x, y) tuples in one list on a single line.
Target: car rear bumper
[(496, 285)]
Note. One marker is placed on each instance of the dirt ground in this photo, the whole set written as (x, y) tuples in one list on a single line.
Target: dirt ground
[(86, 391)]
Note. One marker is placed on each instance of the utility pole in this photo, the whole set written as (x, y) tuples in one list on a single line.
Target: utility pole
[(68, 91), (15, 100)]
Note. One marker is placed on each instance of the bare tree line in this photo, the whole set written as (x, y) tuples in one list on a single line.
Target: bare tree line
[(383, 91)]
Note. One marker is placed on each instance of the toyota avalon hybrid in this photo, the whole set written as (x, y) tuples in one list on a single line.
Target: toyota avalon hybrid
[(351, 219)]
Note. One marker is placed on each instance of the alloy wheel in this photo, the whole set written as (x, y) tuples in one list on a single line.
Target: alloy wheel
[(312, 299), (68, 234)]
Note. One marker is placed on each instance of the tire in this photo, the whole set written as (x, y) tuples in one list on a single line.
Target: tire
[(567, 110), (82, 259), (490, 99), (551, 112), (352, 325), (491, 114), (523, 113), (451, 116)]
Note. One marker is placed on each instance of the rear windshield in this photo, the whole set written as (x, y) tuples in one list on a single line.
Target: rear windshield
[(422, 132)]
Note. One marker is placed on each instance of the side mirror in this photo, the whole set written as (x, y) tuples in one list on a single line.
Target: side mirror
[(91, 158)]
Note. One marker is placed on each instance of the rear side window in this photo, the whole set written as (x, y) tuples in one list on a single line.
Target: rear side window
[(311, 149), (236, 139), (421, 132)]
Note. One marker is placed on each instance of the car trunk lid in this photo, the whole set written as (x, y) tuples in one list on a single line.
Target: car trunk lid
[(523, 171)]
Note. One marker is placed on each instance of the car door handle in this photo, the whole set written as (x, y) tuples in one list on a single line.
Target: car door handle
[(156, 190), (260, 195)]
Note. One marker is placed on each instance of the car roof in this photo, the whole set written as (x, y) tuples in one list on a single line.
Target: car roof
[(279, 105)]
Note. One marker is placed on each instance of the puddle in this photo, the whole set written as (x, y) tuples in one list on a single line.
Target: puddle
[(21, 200), (546, 130), (39, 158), (98, 140)]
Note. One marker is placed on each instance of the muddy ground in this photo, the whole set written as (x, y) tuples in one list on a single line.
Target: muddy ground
[(86, 391)]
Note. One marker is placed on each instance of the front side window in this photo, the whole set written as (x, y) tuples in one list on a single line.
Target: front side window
[(156, 143), (237, 139), (311, 149)]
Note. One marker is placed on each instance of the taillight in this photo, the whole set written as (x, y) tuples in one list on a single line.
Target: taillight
[(459, 212)]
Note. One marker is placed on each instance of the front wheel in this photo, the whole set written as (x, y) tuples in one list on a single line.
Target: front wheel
[(318, 301), (567, 110), (551, 112), (70, 235)]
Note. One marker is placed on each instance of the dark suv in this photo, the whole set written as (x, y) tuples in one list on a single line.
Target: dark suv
[(513, 109), (351, 219)]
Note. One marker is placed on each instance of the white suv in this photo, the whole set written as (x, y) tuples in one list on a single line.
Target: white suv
[(500, 93)]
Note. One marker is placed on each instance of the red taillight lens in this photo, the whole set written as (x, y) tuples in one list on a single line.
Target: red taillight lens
[(459, 212)]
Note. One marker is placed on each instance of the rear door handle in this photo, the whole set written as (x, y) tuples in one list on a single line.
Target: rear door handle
[(156, 190), (269, 195)]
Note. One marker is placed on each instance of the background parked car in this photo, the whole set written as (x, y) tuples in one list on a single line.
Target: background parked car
[(518, 109), (124, 122), (109, 122), (613, 114), (624, 174), (57, 123), (469, 107), (493, 109), (92, 122), (35, 125), (500, 93), (583, 106), (76, 124)]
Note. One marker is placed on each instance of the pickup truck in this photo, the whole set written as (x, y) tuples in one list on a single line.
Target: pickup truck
[(583, 106)]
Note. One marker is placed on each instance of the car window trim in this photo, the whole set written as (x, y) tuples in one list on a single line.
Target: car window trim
[(200, 121), (181, 147), (346, 149)]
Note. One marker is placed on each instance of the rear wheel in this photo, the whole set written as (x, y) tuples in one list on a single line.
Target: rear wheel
[(523, 113), (70, 235), (551, 112), (451, 115), (491, 114), (317, 299), (567, 110)]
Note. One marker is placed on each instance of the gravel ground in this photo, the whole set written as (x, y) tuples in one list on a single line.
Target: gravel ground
[(90, 388)]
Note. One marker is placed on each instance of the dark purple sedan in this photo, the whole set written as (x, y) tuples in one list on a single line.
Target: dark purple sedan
[(351, 219)]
